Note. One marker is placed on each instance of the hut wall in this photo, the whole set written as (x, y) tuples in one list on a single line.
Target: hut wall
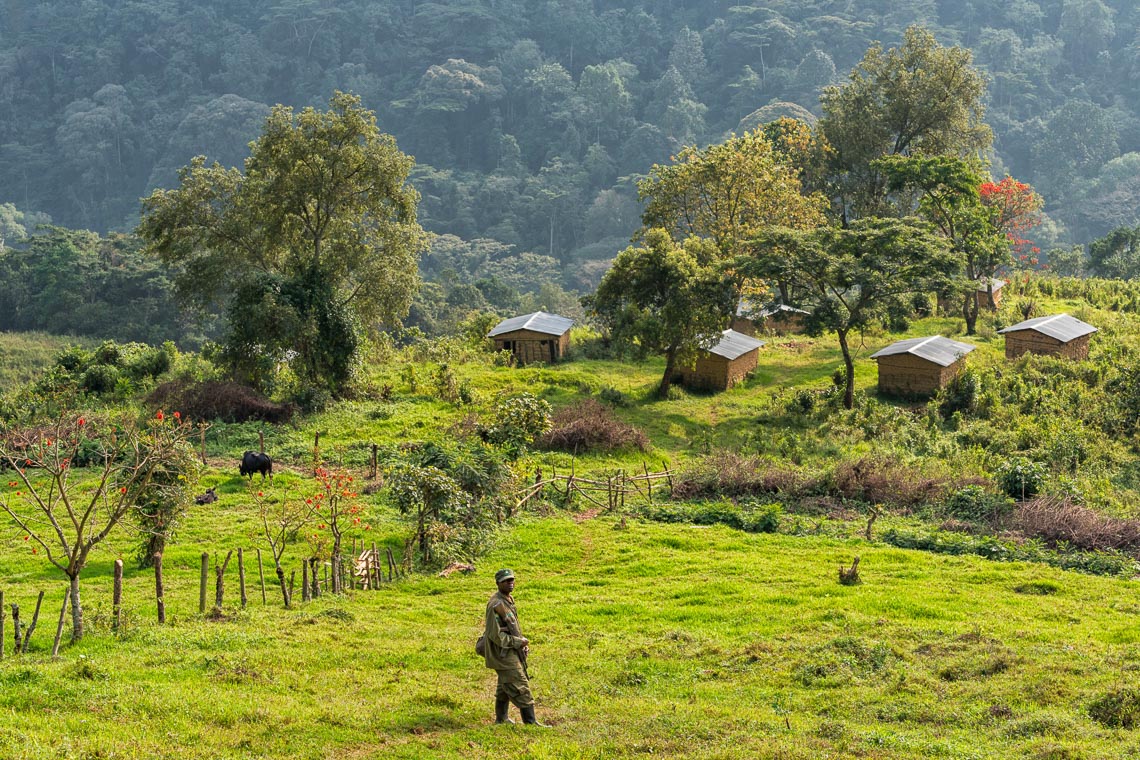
[(907, 375), (984, 300), (529, 346), (1033, 342), (742, 325), (784, 322), (715, 373)]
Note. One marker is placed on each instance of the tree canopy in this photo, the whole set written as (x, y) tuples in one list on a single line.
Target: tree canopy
[(318, 231)]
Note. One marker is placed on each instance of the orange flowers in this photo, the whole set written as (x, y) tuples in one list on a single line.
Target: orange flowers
[(159, 416), (81, 422), (177, 415)]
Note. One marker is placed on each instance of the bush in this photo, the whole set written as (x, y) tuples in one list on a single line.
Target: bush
[(589, 425), (960, 394), (230, 402), (100, 379), (613, 397), (758, 518), (1117, 709), (517, 421), (1021, 478), (885, 480), (726, 473), (1063, 523), (977, 504)]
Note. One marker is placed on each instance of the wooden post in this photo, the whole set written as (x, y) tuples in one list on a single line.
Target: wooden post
[(35, 619), (648, 482), (375, 573), (202, 440), (220, 581), (325, 572), (306, 592), (352, 571), (391, 563), (159, 594), (117, 597), (241, 578), (317, 449), (261, 576), (202, 583), (16, 628), (292, 577), (59, 628), (375, 462), (2, 624), (314, 577)]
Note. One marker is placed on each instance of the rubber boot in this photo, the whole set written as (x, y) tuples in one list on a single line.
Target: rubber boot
[(502, 709), (529, 719)]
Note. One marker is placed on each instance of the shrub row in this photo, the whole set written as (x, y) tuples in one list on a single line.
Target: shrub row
[(1064, 557), (747, 516)]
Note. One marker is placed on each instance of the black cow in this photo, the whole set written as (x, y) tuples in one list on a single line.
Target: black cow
[(252, 462)]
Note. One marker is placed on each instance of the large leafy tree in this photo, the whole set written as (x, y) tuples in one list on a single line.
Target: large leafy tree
[(666, 298), (318, 231), (1117, 254), (917, 99), (953, 197), (855, 277)]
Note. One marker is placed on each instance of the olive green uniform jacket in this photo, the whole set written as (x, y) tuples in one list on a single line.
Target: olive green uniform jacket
[(502, 648)]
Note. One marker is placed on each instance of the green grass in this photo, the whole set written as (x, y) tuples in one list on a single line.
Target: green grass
[(23, 356), (672, 641)]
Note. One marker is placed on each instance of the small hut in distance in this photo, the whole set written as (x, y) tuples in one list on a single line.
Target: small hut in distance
[(777, 318), (920, 366), (537, 337), (725, 364), (1057, 335)]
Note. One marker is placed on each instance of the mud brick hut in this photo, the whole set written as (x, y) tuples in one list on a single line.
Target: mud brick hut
[(920, 366), (777, 318), (537, 337), (725, 364), (1057, 335), (981, 293)]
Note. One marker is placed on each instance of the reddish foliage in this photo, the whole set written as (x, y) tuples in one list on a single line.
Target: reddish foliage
[(1017, 208), (230, 402)]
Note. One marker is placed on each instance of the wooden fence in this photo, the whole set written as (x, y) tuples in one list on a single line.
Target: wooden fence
[(613, 489)]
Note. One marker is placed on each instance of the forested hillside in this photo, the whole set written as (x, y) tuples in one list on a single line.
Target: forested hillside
[(529, 119)]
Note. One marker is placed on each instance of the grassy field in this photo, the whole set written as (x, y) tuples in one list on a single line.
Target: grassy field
[(652, 640), (673, 641)]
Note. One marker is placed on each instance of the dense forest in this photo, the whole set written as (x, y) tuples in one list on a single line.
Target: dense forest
[(530, 121)]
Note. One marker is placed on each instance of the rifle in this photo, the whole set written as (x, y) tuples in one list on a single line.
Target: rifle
[(508, 620)]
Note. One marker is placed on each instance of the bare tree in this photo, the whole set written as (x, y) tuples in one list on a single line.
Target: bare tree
[(281, 519), (75, 479)]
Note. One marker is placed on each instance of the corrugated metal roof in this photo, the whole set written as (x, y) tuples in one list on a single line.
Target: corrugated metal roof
[(781, 308), (733, 345), (1060, 326), (983, 286), (540, 321), (748, 310), (941, 351)]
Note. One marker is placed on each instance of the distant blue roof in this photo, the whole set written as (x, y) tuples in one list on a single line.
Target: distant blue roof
[(540, 321), (733, 345), (941, 351), (1060, 326)]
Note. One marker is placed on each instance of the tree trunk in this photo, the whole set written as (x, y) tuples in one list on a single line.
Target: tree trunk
[(284, 586), (849, 364), (76, 609), (667, 378), (970, 313), (155, 544)]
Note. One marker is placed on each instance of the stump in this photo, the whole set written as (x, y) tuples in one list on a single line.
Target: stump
[(850, 576)]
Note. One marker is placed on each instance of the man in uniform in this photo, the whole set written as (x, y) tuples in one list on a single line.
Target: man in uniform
[(505, 650)]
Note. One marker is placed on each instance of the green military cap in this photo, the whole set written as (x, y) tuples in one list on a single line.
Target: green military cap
[(504, 575)]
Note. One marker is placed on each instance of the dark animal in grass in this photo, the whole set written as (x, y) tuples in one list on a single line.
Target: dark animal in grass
[(207, 498), (252, 462)]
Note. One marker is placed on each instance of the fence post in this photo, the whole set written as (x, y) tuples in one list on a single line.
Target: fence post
[(391, 563), (220, 585), (117, 597), (292, 577), (59, 628), (317, 449), (16, 628), (375, 464), (241, 577), (306, 592), (2, 624), (202, 583), (375, 575), (35, 619), (159, 594), (261, 576)]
